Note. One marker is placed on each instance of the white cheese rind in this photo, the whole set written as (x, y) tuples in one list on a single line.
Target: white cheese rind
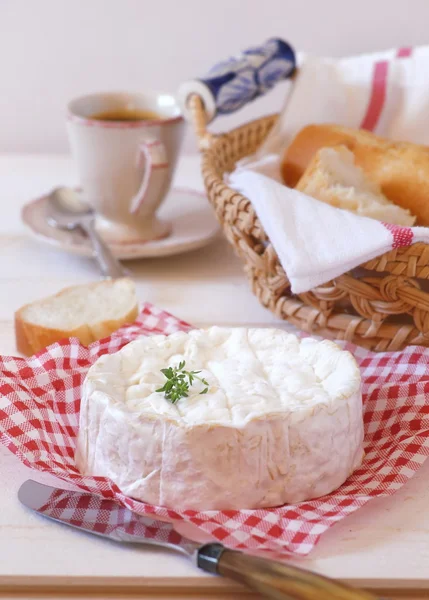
[(281, 422)]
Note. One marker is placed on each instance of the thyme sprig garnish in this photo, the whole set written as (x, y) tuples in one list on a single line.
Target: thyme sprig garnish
[(179, 381)]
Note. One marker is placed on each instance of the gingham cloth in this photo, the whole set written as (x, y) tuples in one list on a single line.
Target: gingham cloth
[(39, 414)]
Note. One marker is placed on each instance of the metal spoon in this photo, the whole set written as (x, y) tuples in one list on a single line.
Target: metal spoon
[(67, 211)]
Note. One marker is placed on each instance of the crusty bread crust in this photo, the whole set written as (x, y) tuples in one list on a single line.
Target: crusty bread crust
[(31, 338), (341, 184), (401, 169)]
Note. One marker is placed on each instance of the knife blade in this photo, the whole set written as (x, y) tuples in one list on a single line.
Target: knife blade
[(103, 517)]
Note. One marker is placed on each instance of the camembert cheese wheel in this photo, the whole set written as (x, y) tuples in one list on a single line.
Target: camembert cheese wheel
[(281, 420)]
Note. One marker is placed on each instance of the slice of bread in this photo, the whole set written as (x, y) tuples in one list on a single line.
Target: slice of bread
[(88, 312), (401, 169), (333, 177)]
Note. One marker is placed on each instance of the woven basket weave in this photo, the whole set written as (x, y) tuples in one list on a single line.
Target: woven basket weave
[(382, 305)]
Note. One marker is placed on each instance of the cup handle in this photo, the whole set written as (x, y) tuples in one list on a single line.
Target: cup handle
[(155, 180)]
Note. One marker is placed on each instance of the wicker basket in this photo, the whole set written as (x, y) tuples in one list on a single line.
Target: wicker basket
[(382, 305)]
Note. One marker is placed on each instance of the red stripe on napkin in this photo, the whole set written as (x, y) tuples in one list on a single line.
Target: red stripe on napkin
[(402, 236), (404, 52), (378, 96), (378, 92)]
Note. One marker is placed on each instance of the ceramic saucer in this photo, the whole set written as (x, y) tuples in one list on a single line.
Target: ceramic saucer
[(190, 214)]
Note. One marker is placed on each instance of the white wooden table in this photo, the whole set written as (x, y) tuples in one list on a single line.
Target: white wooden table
[(384, 546)]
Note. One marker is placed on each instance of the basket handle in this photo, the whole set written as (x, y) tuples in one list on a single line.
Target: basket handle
[(235, 82)]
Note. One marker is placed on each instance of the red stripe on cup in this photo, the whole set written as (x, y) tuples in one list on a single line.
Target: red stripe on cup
[(88, 122), (402, 236)]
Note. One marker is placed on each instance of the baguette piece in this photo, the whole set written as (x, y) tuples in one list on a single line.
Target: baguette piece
[(401, 169), (89, 312), (333, 177)]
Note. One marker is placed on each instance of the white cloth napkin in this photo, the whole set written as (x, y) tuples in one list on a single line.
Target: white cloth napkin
[(387, 93)]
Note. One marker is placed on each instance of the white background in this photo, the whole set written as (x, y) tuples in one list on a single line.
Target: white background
[(52, 50)]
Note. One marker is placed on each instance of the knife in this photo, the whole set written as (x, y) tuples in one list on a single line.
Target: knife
[(270, 578)]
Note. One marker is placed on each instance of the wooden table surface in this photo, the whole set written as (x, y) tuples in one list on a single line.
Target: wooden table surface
[(384, 546)]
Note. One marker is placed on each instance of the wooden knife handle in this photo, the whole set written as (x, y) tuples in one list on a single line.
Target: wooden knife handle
[(273, 579)]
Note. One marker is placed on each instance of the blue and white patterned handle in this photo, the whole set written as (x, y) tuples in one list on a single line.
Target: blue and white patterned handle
[(233, 83)]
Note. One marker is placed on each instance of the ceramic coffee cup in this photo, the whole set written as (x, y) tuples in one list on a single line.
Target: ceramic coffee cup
[(126, 148)]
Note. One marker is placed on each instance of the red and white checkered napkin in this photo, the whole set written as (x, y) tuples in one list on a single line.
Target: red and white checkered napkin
[(39, 413)]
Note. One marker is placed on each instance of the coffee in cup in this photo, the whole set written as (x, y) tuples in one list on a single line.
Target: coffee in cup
[(126, 148)]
